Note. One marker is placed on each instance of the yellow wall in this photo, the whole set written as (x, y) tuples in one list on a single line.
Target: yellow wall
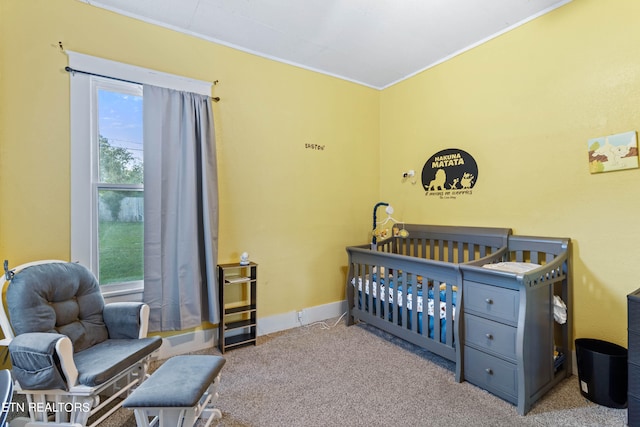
[(293, 209), (524, 105)]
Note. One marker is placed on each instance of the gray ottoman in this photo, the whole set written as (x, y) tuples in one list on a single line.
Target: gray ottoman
[(178, 393)]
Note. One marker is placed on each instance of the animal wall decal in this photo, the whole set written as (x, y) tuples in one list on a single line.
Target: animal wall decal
[(613, 152), (449, 173)]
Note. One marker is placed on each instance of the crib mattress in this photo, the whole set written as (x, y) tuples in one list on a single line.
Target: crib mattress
[(390, 294)]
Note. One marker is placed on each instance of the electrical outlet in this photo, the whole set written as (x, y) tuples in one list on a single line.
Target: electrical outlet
[(300, 316)]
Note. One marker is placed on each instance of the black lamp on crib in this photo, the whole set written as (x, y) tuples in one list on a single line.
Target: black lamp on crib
[(389, 210)]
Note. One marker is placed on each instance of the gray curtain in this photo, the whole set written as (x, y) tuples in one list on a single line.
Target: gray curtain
[(181, 209)]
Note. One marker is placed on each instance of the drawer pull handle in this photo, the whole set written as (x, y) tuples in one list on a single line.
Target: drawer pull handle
[(489, 371), (489, 336), (489, 301)]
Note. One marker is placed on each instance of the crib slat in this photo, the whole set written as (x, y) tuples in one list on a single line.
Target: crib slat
[(394, 315), (449, 317), (415, 322), (374, 291), (358, 281), (402, 300), (436, 310), (363, 296), (425, 307), (483, 251), (534, 257), (367, 293)]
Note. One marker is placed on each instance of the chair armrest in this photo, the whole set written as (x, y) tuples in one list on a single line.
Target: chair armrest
[(43, 361), (126, 319)]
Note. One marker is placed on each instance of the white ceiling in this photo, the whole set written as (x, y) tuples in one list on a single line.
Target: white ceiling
[(372, 42)]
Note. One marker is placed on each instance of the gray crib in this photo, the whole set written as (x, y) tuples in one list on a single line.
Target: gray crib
[(432, 290)]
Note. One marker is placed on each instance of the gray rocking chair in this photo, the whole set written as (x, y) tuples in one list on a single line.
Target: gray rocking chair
[(72, 355)]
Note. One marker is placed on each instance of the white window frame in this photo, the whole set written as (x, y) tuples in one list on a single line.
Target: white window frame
[(97, 84), (83, 122)]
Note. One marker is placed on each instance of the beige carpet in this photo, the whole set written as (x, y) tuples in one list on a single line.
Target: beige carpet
[(359, 376)]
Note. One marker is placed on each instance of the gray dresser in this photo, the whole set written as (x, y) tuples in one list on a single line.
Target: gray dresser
[(490, 330), (510, 336)]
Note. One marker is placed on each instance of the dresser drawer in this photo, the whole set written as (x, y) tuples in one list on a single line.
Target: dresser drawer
[(634, 316), (634, 347), (633, 308), (490, 336), (491, 373), (633, 411), (492, 301), (633, 379)]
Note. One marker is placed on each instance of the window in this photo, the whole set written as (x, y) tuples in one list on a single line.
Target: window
[(108, 185), (118, 181), (107, 163)]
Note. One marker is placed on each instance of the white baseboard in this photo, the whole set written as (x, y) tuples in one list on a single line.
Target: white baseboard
[(188, 342), (282, 322), (207, 338)]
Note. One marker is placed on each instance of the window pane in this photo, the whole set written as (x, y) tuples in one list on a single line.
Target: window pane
[(120, 137), (120, 235)]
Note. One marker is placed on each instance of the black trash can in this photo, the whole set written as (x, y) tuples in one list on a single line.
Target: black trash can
[(602, 372)]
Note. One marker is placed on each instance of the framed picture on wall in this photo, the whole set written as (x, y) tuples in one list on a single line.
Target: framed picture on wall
[(613, 152)]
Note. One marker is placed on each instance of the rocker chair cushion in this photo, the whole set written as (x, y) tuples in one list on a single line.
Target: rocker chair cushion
[(61, 298), (100, 363)]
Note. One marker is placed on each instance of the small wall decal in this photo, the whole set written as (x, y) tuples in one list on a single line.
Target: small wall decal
[(449, 173), (613, 152), (314, 147)]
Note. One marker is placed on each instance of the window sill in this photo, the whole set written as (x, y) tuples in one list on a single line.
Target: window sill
[(133, 294)]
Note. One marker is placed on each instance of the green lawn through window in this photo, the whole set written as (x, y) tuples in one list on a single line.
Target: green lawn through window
[(121, 251)]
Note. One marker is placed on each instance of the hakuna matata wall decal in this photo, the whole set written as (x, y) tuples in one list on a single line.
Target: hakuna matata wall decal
[(449, 173)]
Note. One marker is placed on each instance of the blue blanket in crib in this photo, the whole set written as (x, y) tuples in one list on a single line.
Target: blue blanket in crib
[(399, 294)]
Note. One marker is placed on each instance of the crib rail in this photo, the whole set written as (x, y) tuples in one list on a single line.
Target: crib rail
[(446, 243), (384, 279), (553, 254), (384, 291)]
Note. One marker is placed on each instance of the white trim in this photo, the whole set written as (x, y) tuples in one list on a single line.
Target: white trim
[(310, 315), (186, 343), (208, 338), (132, 294), (80, 133), (133, 73)]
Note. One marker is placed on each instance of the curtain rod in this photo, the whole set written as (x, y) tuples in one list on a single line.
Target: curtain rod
[(73, 70)]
